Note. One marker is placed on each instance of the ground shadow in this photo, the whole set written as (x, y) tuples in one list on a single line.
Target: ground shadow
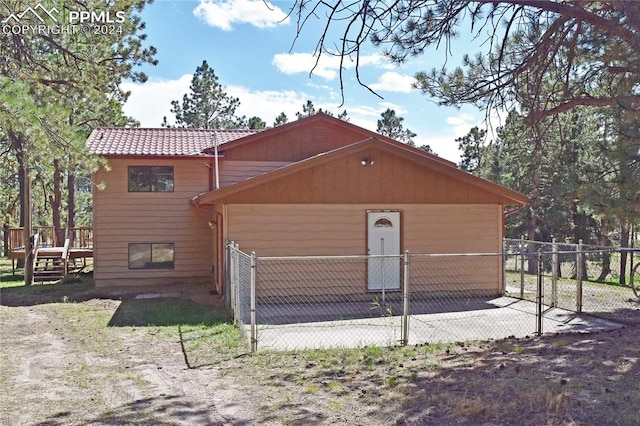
[(160, 410), (169, 311), (561, 379), (77, 288), (292, 313)]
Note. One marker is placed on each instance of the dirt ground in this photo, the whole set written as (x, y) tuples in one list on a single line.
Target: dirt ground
[(61, 364)]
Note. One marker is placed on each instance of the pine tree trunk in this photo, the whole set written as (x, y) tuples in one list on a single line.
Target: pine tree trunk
[(17, 146), (5, 239), (56, 202), (606, 256), (71, 200), (624, 243), (535, 197)]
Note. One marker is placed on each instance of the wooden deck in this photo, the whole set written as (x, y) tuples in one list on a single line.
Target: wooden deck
[(51, 260)]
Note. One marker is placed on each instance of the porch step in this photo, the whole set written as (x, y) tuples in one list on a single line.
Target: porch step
[(48, 269)]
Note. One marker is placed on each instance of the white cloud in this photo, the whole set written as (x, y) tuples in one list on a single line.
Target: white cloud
[(151, 101), (399, 109), (392, 81), (327, 67), (223, 14), (267, 104), (461, 124), (445, 144), (294, 63), (365, 111)]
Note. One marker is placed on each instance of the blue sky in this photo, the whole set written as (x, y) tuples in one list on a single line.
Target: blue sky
[(249, 45)]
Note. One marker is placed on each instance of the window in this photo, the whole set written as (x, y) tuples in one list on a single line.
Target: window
[(151, 256), (150, 179), (383, 222)]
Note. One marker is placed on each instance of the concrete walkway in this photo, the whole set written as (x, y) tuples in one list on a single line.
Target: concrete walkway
[(474, 320)]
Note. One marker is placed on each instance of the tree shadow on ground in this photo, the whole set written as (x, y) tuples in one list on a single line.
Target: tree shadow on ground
[(166, 312), (76, 288), (573, 378), (627, 316), (160, 410)]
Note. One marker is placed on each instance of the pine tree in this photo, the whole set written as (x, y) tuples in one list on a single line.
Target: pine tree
[(207, 105), (390, 125)]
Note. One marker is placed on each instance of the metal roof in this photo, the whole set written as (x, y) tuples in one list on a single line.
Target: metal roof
[(159, 141)]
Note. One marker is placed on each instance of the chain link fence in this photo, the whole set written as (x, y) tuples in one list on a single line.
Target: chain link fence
[(286, 303), (576, 277)]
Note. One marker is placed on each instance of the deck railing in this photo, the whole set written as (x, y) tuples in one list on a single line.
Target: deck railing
[(82, 238)]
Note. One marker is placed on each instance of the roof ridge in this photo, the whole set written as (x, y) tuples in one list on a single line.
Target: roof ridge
[(177, 128)]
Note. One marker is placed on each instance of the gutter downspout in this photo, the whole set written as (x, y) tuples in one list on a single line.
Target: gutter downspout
[(195, 201), (210, 167), (215, 150), (221, 257)]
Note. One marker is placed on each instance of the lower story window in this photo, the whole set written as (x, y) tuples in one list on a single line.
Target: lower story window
[(151, 255)]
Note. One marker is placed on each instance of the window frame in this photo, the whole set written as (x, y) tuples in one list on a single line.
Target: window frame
[(151, 264), (154, 173)]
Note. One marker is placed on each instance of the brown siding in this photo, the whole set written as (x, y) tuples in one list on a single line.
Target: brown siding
[(294, 230), (236, 171), (391, 179), (121, 217), (297, 143)]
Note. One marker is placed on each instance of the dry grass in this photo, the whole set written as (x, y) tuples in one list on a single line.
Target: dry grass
[(558, 380), (104, 361)]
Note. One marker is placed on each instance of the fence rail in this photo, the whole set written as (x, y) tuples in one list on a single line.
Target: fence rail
[(347, 301)]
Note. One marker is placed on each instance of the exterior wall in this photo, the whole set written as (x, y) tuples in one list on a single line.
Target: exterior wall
[(236, 171), (122, 217), (316, 229), (295, 143), (394, 178)]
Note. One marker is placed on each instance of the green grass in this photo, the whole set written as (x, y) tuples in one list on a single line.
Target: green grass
[(166, 312), (15, 292), (7, 277), (205, 332)]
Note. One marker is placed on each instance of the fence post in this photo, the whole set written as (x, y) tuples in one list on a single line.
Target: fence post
[(254, 333), (405, 301), (504, 265), (579, 276), (539, 296), (522, 267), (554, 273), (230, 283), (237, 290)]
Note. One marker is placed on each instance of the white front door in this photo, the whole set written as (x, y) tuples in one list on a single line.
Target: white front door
[(383, 238)]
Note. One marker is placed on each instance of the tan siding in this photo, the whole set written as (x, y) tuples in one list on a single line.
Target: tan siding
[(293, 230), (273, 230), (121, 217), (462, 228)]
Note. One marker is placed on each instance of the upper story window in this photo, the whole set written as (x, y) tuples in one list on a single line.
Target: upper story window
[(150, 178)]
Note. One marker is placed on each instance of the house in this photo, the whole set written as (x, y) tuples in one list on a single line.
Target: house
[(316, 186)]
